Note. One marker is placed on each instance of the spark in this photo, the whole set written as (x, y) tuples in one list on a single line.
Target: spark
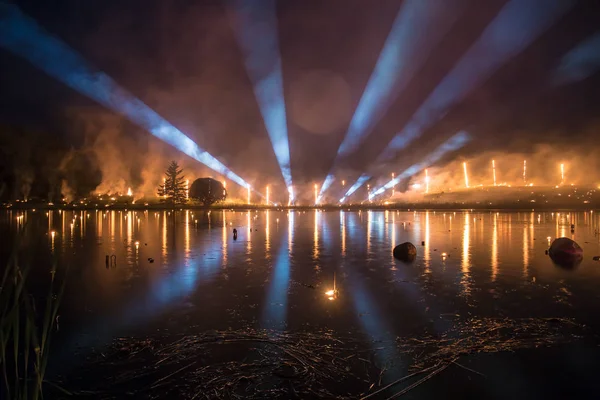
[(255, 26), (24, 37)]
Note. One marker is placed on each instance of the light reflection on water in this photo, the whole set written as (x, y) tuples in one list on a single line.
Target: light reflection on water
[(276, 275)]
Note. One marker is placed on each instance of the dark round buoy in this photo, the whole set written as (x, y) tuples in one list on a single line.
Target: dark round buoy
[(234, 234), (405, 252), (565, 253)]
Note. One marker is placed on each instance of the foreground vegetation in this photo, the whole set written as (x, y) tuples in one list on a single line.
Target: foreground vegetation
[(25, 334)]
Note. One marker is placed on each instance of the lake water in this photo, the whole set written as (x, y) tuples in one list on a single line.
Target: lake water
[(539, 321)]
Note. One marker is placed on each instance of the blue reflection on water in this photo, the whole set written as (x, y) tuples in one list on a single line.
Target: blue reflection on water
[(175, 285), (370, 317), (411, 290), (274, 315)]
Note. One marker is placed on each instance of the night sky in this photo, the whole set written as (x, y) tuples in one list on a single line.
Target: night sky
[(182, 60)]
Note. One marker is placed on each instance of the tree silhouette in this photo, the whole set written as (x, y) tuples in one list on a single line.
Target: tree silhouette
[(173, 188), (207, 191)]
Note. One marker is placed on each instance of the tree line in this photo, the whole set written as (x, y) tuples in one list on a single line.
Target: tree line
[(175, 190)]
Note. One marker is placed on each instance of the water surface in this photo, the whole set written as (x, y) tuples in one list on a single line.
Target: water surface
[(183, 272)]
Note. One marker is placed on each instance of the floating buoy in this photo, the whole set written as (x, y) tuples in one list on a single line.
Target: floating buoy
[(234, 234)]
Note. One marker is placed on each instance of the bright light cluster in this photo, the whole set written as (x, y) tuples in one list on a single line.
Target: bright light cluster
[(23, 36)]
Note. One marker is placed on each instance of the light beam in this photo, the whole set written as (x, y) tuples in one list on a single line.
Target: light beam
[(515, 27), (454, 143), (579, 63), (418, 28), (562, 174), (24, 37), (525, 172), (255, 26), (494, 171), (426, 181), (466, 175), (356, 185)]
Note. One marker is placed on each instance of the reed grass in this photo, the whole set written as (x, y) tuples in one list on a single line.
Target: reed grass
[(25, 336)]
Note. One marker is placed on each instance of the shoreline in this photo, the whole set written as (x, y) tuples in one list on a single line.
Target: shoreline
[(325, 207)]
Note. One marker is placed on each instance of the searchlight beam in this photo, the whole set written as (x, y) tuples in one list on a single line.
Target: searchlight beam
[(21, 35), (255, 26), (515, 27)]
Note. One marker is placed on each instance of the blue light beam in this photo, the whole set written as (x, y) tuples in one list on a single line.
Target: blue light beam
[(515, 27), (23, 36), (579, 63), (454, 143), (255, 26), (363, 178), (419, 26)]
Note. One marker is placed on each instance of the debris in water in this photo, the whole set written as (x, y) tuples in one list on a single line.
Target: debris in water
[(257, 364)]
